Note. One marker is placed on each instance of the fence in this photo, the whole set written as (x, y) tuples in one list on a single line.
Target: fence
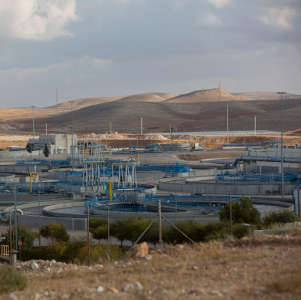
[(75, 224)]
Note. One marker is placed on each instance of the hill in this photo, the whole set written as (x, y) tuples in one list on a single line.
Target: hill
[(81, 103), (266, 96), (148, 97), (160, 111), (157, 117), (205, 95)]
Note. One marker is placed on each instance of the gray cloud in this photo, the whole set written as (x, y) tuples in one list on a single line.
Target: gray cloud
[(127, 46)]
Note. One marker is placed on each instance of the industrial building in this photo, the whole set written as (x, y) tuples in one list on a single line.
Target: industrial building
[(132, 182), (56, 143)]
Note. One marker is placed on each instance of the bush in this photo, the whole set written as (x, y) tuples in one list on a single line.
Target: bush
[(11, 280), (70, 251), (128, 229), (54, 231), (279, 217), (240, 230), (190, 228), (101, 232), (76, 251), (41, 252), (119, 230), (214, 231), (96, 222), (152, 235), (242, 212), (99, 252), (25, 236)]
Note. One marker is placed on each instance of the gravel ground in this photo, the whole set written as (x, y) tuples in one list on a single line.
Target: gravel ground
[(266, 267)]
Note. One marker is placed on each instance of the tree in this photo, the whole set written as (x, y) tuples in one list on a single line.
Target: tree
[(24, 235), (190, 228), (54, 231), (129, 229), (242, 212), (101, 232), (120, 230), (96, 222), (279, 217)]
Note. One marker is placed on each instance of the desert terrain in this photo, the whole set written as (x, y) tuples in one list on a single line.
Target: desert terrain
[(195, 111), (264, 267)]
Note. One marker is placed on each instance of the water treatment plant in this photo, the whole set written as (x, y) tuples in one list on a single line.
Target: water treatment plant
[(62, 178)]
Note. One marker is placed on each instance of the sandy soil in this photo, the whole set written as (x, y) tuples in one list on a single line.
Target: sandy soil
[(125, 140), (265, 267)]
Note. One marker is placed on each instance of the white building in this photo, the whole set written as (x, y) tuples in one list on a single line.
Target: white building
[(56, 143)]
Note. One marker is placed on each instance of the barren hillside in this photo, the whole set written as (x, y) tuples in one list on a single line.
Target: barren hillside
[(81, 103), (205, 95), (197, 111), (266, 95), (157, 117), (149, 97)]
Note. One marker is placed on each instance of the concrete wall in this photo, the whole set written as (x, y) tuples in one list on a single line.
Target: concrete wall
[(288, 153), (224, 188), (22, 154)]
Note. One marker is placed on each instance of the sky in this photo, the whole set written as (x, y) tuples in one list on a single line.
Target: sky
[(93, 48)]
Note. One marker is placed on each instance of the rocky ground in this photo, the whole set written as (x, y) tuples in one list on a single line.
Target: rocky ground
[(266, 267)]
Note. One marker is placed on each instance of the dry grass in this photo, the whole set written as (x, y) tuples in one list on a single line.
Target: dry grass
[(241, 270), (290, 284)]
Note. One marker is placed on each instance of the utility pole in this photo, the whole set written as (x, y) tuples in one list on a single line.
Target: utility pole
[(15, 218), (255, 125), (281, 166), (228, 139), (160, 221), (230, 210), (46, 129), (299, 204), (109, 239), (33, 123), (10, 239), (141, 126), (57, 96), (88, 234), (110, 127)]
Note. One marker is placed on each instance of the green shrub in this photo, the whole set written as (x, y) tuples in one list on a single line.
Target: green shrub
[(25, 236), (240, 230), (279, 217), (119, 230), (70, 251), (96, 222), (41, 252), (11, 280), (242, 212), (98, 252), (190, 228), (128, 229), (152, 235), (101, 232), (215, 231), (55, 231)]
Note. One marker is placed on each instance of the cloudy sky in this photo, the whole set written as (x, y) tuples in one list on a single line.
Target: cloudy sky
[(87, 48)]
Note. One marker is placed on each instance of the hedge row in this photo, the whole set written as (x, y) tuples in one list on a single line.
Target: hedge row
[(72, 252), (130, 229)]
